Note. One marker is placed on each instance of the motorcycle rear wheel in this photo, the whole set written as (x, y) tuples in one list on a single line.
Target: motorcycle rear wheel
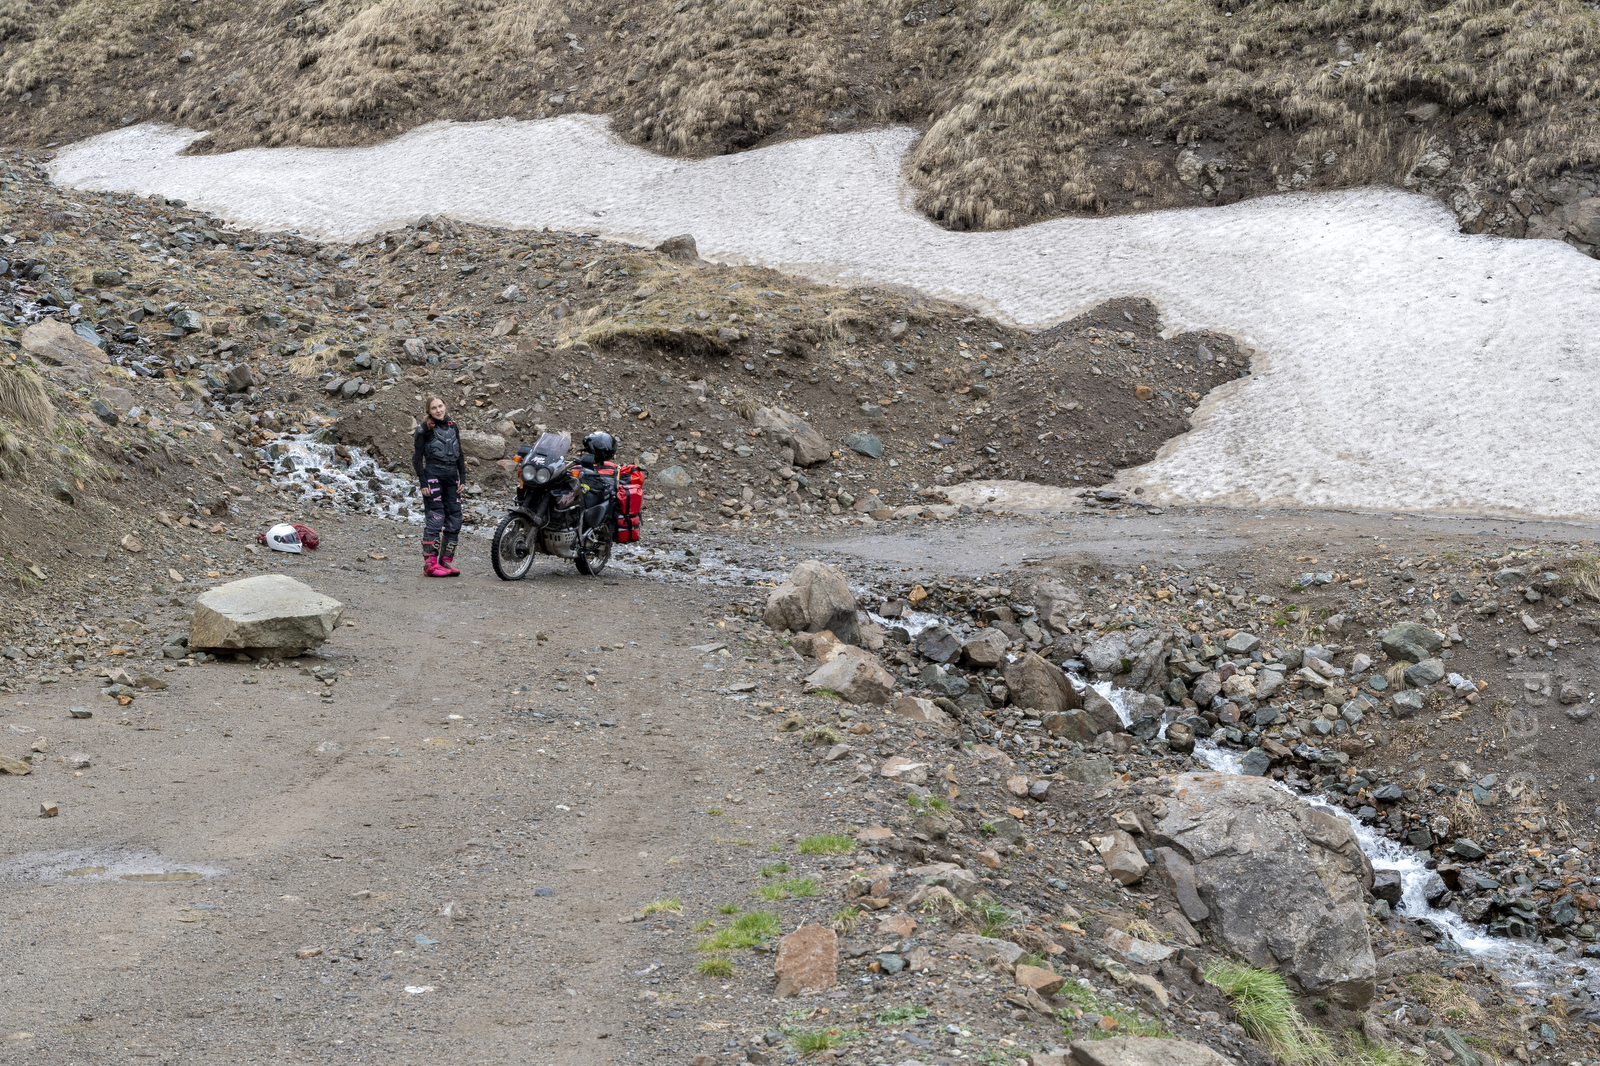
[(593, 555), (512, 551)]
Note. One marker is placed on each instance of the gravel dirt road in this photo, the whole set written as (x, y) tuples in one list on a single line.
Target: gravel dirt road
[(543, 815), (245, 869)]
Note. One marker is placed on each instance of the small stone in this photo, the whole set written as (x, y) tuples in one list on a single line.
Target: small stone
[(864, 443), (308, 953), (1407, 704), (1427, 672), (1243, 643), (1040, 980), (80, 712), (49, 809)]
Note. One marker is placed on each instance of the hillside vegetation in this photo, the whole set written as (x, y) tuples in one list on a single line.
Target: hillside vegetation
[(1031, 109)]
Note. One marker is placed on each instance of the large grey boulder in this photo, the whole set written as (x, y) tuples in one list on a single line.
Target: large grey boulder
[(855, 675), (1036, 682), (480, 445), (814, 597), (1137, 657), (1283, 882), (986, 650), (1411, 642), (271, 613), (1056, 604), (785, 427)]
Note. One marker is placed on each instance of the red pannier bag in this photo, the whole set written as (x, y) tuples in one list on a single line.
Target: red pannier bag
[(630, 503)]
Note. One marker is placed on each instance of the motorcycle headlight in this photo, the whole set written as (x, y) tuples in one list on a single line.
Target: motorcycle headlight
[(541, 475)]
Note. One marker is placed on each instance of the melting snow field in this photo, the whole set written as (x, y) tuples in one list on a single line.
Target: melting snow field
[(1399, 364)]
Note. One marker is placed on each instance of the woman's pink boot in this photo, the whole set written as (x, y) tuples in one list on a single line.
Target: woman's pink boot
[(447, 564), (431, 567)]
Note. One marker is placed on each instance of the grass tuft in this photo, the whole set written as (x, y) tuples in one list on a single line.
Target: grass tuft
[(826, 844), (716, 966), (672, 905), (746, 931), (25, 398), (798, 888), (993, 918), (813, 1041), (1263, 1004), (904, 1013)]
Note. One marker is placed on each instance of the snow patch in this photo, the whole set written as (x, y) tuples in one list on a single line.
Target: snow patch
[(1408, 365)]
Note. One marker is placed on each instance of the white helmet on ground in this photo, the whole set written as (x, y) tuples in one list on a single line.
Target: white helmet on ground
[(283, 538)]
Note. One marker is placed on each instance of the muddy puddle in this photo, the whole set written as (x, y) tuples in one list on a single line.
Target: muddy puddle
[(79, 867)]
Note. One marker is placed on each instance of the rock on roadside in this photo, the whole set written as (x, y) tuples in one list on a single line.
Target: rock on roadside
[(270, 613), (855, 675), (814, 597), (1283, 881), (788, 429), (808, 960), (1036, 682)]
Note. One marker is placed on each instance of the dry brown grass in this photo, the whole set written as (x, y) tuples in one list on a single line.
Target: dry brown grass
[(1584, 575), (25, 399), (1032, 109)]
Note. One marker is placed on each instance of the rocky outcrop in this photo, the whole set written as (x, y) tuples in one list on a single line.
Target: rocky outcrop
[(54, 342), (855, 675), (1136, 658), (791, 431), (814, 597), (1036, 682), (272, 613), (477, 444), (1283, 884)]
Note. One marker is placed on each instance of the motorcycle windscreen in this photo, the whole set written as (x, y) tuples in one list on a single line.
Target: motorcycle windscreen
[(553, 446)]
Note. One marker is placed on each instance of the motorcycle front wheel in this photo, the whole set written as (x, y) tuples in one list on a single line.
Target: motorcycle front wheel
[(594, 552), (512, 551)]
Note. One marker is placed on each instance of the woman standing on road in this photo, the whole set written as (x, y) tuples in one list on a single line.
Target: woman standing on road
[(442, 471)]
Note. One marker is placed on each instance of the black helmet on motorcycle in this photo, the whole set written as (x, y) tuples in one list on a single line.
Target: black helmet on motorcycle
[(602, 445)]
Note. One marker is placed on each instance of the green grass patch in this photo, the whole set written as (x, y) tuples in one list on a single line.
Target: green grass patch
[(904, 1013), (844, 919), (714, 812), (797, 888), (993, 918), (1263, 1004), (826, 844), (671, 905), (746, 931), (702, 925), (812, 1041), (716, 966), (728, 908), (774, 869), (1129, 1022)]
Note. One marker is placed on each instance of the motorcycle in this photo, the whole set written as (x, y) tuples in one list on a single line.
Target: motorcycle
[(559, 510)]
